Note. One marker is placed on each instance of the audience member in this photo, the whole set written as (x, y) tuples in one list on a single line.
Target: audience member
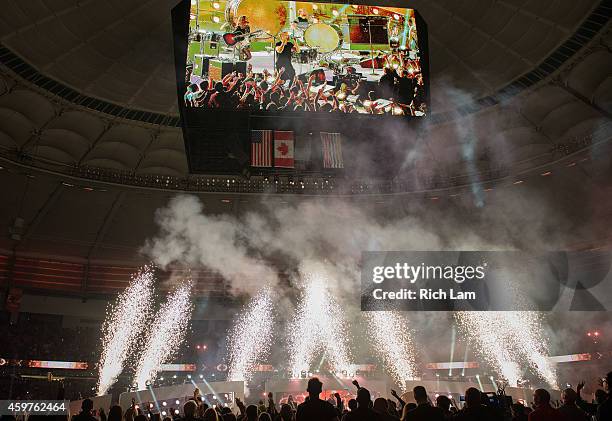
[(424, 411), (569, 410), (604, 411), (444, 403), (474, 410), (315, 408), (519, 412), (85, 414), (543, 411), (364, 411), (382, 408), (115, 413)]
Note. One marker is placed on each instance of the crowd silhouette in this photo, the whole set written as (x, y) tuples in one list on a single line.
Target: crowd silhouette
[(478, 406), (400, 91)]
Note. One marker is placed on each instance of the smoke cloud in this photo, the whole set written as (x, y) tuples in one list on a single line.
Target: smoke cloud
[(278, 244)]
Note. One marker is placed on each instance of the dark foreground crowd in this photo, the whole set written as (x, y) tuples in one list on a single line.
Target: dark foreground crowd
[(478, 407)]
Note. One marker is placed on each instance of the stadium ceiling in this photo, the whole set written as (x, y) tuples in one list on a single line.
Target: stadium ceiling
[(59, 57), (61, 60), (121, 51)]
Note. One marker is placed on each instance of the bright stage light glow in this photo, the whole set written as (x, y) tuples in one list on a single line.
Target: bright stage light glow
[(392, 338), (123, 322), (249, 339), (166, 335)]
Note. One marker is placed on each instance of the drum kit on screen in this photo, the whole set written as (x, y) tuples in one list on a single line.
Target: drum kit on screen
[(318, 41)]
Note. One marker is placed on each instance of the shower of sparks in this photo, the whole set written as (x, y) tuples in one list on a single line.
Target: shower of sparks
[(250, 337), (124, 320), (166, 335), (391, 338), (318, 325), (510, 341), (494, 341), (527, 329)]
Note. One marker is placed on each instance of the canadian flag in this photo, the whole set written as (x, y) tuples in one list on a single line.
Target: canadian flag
[(283, 149)]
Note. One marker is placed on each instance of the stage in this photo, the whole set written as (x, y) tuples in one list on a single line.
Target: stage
[(213, 393), (264, 61)]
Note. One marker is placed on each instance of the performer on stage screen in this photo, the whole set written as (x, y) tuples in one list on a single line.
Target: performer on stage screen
[(299, 25), (284, 48), (302, 16), (243, 30), (305, 57)]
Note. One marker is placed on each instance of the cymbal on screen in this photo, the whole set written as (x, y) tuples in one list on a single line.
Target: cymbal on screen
[(266, 15)]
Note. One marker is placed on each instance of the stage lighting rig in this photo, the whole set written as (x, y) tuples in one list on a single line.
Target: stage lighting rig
[(594, 335)]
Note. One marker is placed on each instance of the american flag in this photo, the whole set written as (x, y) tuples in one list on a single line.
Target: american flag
[(332, 150), (261, 148)]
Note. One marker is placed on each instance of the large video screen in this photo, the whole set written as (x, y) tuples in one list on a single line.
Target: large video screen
[(289, 56)]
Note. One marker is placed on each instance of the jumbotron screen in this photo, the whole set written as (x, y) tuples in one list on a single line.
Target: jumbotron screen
[(269, 56)]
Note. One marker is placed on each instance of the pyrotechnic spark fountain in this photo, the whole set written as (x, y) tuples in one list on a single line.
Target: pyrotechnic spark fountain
[(124, 320), (526, 327), (494, 341), (507, 337), (166, 335), (391, 338), (250, 337), (318, 324)]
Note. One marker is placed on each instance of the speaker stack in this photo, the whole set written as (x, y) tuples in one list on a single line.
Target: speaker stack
[(218, 69)]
